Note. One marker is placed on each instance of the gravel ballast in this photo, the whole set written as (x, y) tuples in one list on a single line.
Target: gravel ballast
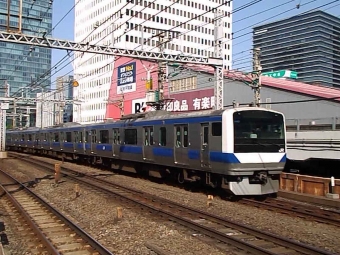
[(309, 232), (96, 214)]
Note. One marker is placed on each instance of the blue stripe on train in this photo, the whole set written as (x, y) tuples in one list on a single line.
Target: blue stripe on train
[(284, 158), (165, 152)]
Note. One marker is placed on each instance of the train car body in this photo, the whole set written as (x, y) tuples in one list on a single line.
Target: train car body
[(241, 150)]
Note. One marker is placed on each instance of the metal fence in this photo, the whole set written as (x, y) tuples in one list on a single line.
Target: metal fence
[(332, 123)]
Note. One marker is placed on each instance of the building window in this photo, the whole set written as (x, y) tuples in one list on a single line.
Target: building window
[(183, 84)]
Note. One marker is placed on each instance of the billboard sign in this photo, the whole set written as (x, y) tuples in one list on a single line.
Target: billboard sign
[(187, 101), (281, 74), (137, 105), (126, 80), (192, 101)]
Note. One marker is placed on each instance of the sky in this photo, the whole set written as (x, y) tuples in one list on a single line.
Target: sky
[(262, 12)]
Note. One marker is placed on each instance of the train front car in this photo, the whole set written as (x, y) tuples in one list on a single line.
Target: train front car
[(255, 141)]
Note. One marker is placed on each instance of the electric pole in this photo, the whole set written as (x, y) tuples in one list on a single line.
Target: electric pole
[(118, 103), (256, 77), (156, 98), (161, 74), (218, 47), (8, 25)]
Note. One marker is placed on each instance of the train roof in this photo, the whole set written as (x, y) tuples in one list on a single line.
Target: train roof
[(146, 116)]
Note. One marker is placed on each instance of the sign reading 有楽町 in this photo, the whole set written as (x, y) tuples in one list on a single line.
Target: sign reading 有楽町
[(126, 80)]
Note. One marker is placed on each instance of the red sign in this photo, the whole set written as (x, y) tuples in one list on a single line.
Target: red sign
[(137, 87), (192, 101), (132, 101)]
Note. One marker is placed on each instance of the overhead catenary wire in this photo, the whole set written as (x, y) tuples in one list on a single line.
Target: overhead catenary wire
[(286, 12), (200, 88), (53, 28), (149, 38), (26, 17), (67, 55), (107, 19), (180, 24)]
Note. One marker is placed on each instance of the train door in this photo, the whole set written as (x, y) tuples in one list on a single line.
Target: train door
[(148, 143), (87, 142), (76, 140), (205, 157), (81, 145), (181, 144), (51, 140), (93, 140), (116, 143)]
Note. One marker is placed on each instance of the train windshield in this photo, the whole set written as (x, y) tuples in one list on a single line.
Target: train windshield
[(258, 131)]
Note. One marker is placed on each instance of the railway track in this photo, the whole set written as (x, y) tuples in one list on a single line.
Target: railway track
[(53, 232), (297, 210), (218, 231)]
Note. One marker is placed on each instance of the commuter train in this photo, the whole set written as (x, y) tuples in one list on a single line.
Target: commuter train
[(241, 150)]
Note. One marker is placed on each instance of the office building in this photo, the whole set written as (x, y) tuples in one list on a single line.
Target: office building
[(22, 64), (134, 23), (308, 44), (45, 112), (65, 87)]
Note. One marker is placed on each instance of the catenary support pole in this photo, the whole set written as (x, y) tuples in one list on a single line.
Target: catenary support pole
[(218, 45)]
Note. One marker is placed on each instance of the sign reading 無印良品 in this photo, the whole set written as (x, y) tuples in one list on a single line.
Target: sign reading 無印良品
[(126, 80)]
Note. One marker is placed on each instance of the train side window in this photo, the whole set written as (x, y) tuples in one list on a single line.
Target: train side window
[(68, 137), (104, 136), (94, 136), (146, 136), (61, 137), (56, 137), (29, 137), (87, 137), (22, 138), (75, 136), (216, 129), (205, 135), (81, 137), (116, 136), (130, 136), (185, 136), (162, 136), (178, 137), (151, 135)]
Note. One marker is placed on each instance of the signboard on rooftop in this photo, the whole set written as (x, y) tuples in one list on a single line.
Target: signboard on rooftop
[(281, 74)]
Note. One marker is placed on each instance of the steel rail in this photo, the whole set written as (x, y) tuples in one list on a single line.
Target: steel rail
[(285, 242), (295, 209), (86, 237)]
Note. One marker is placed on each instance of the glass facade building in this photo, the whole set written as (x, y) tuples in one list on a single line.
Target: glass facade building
[(308, 44), (22, 64)]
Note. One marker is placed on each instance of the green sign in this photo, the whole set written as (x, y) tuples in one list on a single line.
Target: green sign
[(281, 74)]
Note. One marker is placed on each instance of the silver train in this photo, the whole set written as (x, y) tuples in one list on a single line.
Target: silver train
[(241, 150)]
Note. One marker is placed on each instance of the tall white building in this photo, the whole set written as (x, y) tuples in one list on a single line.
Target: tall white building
[(45, 110), (94, 71)]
